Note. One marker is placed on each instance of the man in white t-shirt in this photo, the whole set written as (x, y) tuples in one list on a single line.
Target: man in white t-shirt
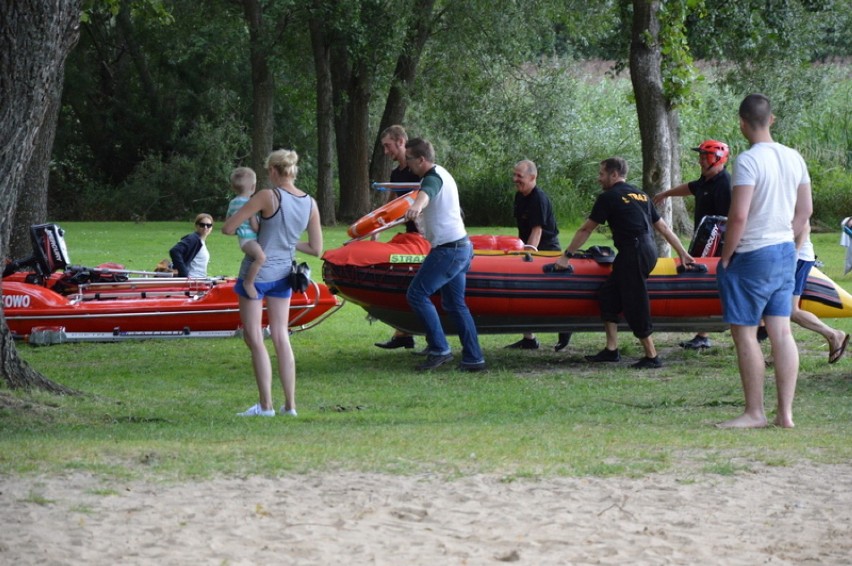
[(445, 268), (770, 207)]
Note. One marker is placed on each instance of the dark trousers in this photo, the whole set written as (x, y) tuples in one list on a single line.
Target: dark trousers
[(626, 290)]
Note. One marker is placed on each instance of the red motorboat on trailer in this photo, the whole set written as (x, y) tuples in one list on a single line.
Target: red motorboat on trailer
[(508, 292), (110, 304)]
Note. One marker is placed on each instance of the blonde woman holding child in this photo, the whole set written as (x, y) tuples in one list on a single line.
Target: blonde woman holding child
[(285, 212), (243, 183)]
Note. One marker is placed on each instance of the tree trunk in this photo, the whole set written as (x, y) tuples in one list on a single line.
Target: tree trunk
[(352, 87), (681, 221), (404, 75), (326, 201), (263, 91), (32, 202), (31, 62), (651, 105)]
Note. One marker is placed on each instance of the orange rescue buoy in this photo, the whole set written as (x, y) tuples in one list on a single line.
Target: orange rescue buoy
[(382, 216)]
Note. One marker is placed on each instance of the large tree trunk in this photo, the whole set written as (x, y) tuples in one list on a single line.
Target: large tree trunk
[(404, 75), (263, 91), (352, 87), (35, 39), (326, 201), (651, 105), (32, 202)]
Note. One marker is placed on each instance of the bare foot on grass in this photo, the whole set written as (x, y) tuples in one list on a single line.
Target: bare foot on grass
[(783, 423), (744, 421), (248, 287)]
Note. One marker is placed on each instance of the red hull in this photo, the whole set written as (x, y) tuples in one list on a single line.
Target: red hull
[(509, 292), (146, 306)]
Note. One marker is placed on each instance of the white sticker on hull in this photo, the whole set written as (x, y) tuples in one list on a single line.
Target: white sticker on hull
[(16, 301)]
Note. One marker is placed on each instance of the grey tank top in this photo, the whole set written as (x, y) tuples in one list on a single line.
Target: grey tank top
[(278, 235)]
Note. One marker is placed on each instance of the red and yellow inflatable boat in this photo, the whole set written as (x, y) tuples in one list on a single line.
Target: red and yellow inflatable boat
[(508, 292)]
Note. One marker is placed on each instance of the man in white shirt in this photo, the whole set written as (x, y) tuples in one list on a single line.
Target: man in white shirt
[(770, 207)]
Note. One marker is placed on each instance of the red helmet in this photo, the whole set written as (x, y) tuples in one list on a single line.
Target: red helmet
[(714, 148)]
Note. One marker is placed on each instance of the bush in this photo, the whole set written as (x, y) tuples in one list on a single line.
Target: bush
[(195, 177)]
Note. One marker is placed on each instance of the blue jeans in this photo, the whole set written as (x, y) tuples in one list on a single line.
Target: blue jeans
[(444, 270)]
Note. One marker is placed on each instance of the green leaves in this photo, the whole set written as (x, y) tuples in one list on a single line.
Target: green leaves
[(678, 68)]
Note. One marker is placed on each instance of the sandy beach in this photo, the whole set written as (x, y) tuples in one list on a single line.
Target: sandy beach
[(770, 515)]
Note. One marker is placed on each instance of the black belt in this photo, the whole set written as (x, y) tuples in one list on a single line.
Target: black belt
[(457, 244)]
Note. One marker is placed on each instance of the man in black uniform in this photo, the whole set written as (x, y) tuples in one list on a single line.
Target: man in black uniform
[(712, 198), (393, 143), (630, 216), (537, 230)]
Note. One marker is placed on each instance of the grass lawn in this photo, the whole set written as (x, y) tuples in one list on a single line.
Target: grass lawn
[(167, 408)]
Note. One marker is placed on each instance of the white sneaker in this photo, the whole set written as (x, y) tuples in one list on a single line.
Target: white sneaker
[(257, 411), (287, 412)]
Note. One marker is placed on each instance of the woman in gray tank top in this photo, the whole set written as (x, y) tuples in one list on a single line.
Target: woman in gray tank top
[(285, 212)]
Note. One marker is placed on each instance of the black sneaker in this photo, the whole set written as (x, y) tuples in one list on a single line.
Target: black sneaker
[(648, 363), (524, 344), (397, 342), (697, 343), (433, 361), (465, 366), (605, 356)]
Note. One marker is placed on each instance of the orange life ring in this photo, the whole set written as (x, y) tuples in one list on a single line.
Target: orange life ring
[(382, 216)]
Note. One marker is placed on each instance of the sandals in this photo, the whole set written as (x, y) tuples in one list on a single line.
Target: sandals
[(836, 354)]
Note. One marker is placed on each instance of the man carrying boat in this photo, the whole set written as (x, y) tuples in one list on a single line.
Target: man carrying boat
[(393, 144), (445, 267), (537, 229), (631, 218)]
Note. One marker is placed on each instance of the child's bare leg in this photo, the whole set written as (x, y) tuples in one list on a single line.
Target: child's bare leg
[(254, 251)]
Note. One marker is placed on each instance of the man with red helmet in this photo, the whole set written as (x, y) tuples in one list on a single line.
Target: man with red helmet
[(712, 193)]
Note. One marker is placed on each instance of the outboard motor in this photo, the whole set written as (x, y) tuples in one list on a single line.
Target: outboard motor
[(49, 252), (709, 237)]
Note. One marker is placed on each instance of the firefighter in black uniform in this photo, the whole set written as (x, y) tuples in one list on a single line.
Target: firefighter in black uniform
[(632, 218)]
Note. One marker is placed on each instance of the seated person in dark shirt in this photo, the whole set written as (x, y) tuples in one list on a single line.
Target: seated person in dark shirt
[(190, 255)]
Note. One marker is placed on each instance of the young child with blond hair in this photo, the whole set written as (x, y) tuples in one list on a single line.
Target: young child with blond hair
[(243, 183)]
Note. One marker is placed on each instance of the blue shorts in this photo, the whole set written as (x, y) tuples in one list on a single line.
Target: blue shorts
[(803, 269), (277, 289), (757, 284)]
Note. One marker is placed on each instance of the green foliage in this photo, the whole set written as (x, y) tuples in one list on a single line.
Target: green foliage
[(551, 111), (193, 179), (679, 72), (758, 32), (823, 135)]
